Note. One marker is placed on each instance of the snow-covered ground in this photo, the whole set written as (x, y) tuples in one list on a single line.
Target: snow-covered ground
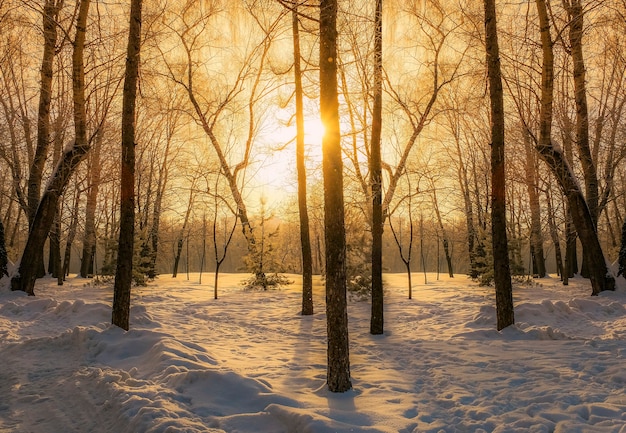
[(248, 362)]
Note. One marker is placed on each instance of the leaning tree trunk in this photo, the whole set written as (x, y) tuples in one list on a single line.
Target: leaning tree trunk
[(502, 273), (376, 179), (338, 369), (124, 271), (46, 211), (600, 277), (305, 237)]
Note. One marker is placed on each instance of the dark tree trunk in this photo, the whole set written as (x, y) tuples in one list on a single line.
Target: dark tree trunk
[(554, 235), (445, 240), (71, 234), (377, 317), (50, 13), (502, 274), (305, 237), (89, 237), (622, 253), (536, 236), (54, 255), (46, 211), (338, 372), (4, 258), (571, 247), (181, 235), (124, 271)]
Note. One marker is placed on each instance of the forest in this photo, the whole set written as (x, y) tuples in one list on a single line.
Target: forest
[(216, 131), (313, 216)]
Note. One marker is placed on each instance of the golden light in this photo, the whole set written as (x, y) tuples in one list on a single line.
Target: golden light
[(274, 175)]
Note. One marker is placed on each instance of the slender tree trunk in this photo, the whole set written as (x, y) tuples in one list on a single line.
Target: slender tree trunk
[(46, 211), (376, 179), (444, 235), (181, 235), (622, 253), (554, 235), (599, 274), (536, 237), (71, 234), (305, 237), (4, 258), (338, 372), (54, 252), (124, 271), (50, 13), (89, 237), (502, 273)]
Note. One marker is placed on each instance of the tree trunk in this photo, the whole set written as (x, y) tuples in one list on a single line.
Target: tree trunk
[(554, 235), (622, 253), (71, 234), (46, 211), (376, 179), (89, 237), (181, 235), (54, 252), (536, 237), (4, 258), (305, 237), (338, 371), (124, 271), (575, 13), (50, 13), (502, 274), (599, 274), (444, 234)]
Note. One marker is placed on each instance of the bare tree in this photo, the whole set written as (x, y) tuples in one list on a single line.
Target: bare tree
[(502, 274), (376, 179), (338, 371), (305, 237), (124, 272)]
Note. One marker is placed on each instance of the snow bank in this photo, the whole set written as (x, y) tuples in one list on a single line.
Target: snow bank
[(248, 362)]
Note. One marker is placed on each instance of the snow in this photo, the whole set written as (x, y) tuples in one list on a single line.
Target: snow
[(248, 362)]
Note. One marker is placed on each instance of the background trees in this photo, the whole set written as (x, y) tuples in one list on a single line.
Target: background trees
[(214, 119)]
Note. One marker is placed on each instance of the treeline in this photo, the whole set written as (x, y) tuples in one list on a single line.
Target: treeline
[(216, 75)]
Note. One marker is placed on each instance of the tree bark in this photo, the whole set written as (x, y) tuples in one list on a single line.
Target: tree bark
[(124, 271), (305, 237), (502, 273), (338, 369), (376, 179)]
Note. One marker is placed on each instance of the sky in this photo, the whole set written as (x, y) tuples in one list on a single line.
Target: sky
[(249, 362)]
